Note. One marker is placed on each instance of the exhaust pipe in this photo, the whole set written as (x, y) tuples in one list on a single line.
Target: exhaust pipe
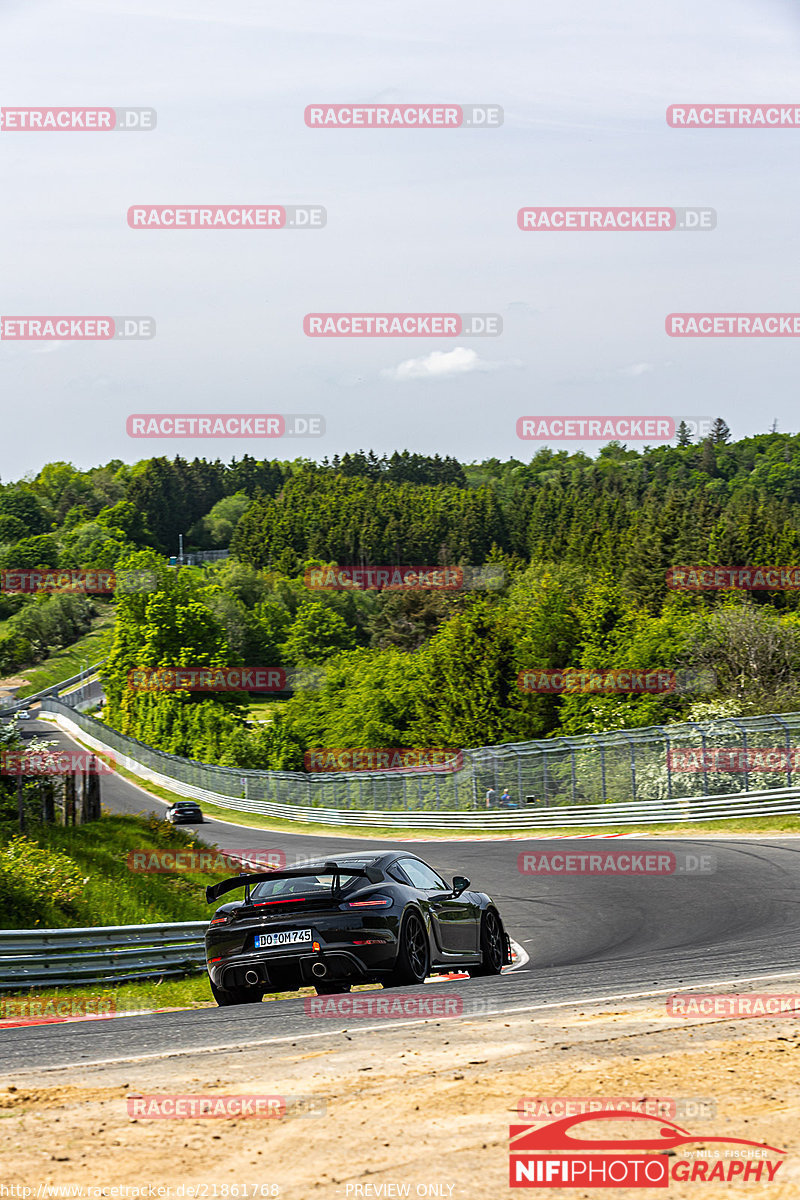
[(251, 977), (319, 969)]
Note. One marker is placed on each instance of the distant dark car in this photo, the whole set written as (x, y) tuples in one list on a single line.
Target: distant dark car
[(185, 812), (383, 917)]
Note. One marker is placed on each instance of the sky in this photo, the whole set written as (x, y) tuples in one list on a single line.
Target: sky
[(418, 220)]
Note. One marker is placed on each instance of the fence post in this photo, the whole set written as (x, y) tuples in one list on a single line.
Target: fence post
[(632, 745), (669, 766), (788, 751), (743, 732), (572, 768)]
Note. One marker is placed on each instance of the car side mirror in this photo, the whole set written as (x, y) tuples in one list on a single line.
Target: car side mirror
[(460, 884)]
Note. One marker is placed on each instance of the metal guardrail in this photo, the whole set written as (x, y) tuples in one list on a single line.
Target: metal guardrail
[(104, 954), (671, 810), (598, 779), (53, 690)]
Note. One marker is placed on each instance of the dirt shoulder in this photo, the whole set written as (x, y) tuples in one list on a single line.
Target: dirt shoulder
[(425, 1106)]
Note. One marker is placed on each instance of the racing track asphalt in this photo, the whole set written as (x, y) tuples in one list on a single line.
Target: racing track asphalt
[(587, 937)]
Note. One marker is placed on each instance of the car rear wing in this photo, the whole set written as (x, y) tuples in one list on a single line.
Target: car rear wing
[(215, 890)]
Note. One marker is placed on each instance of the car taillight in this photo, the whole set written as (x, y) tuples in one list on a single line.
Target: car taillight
[(218, 920), (373, 902)]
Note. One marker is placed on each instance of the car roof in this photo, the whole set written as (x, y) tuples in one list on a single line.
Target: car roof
[(356, 857)]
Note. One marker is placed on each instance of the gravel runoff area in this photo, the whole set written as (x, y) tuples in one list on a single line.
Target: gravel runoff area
[(393, 1109)]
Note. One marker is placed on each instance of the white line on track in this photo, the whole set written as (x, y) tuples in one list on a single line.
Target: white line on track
[(233, 1047)]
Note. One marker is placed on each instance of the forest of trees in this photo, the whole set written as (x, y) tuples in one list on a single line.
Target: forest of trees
[(584, 546)]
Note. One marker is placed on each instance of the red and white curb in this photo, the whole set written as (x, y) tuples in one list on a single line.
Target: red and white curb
[(518, 959)]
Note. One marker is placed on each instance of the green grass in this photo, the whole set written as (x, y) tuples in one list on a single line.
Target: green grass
[(191, 991), (264, 710), (70, 660), (113, 894)]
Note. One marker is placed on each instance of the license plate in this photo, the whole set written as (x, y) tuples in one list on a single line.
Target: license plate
[(285, 937)]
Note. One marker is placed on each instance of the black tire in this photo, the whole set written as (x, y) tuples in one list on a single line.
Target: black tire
[(413, 958), (493, 945), (331, 989), (226, 996)]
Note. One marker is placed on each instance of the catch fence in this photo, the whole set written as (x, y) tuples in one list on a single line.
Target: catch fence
[(634, 769)]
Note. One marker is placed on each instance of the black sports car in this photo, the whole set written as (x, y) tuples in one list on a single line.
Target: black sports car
[(185, 812), (357, 918)]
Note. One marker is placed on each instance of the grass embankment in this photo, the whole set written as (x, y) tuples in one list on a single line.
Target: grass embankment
[(70, 660), (66, 876), (61, 877)]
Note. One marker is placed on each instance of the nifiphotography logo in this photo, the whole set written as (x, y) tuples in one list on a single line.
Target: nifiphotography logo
[(561, 1155)]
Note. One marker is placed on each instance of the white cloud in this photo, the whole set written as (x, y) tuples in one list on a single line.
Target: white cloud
[(640, 368), (442, 364)]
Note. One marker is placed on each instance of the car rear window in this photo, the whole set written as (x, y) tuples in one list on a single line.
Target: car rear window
[(301, 885)]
